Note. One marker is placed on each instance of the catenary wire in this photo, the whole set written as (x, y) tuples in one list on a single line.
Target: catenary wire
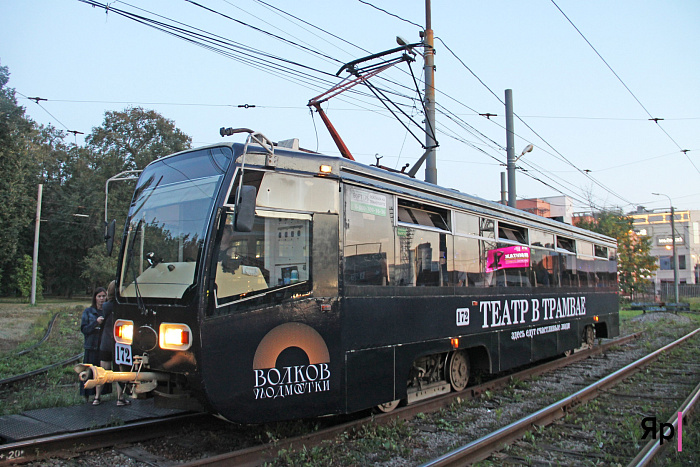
[(561, 156), (651, 117)]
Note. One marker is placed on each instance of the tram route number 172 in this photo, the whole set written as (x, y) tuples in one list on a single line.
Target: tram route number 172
[(122, 354)]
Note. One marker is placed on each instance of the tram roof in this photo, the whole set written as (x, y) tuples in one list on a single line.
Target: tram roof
[(305, 161)]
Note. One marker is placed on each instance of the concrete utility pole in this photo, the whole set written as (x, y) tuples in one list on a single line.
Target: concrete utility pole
[(673, 242), (510, 148), (429, 68), (675, 253), (504, 190), (35, 257)]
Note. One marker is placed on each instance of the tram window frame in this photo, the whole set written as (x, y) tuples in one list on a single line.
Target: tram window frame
[(541, 239), (368, 238), (584, 248), (415, 214), (600, 251), (251, 177), (567, 244), (512, 233), (544, 272), (255, 298), (465, 222)]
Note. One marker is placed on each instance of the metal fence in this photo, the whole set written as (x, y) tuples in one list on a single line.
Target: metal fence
[(684, 290)]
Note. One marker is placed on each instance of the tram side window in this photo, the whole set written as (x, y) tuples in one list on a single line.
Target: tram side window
[(507, 265), (585, 270), (414, 213), (542, 239), (513, 233), (602, 274), (369, 237), (544, 271), (567, 270), (585, 264), (269, 264), (612, 266), (469, 263), (424, 258)]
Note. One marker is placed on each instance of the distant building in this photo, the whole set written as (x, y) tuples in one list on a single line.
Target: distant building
[(554, 207), (534, 205), (657, 226)]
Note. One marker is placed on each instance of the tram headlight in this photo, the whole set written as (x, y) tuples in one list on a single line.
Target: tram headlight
[(174, 336), (124, 331)]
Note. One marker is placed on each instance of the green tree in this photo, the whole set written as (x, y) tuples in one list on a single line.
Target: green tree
[(98, 267), (127, 140), (634, 260), (23, 278), (18, 178), (74, 179)]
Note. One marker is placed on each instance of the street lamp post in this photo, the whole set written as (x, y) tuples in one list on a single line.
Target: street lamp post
[(673, 242)]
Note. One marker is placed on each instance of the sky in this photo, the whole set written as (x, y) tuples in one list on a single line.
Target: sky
[(586, 78)]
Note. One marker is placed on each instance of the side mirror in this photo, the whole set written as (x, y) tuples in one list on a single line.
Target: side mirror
[(109, 235), (245, 209)]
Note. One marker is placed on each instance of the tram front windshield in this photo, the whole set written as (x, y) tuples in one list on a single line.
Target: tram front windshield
[(167, 223)]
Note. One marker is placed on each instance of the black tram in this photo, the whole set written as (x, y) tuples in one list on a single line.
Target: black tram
[(265, 282)]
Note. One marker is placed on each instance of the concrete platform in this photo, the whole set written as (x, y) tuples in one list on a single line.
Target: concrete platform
[(59, 420)]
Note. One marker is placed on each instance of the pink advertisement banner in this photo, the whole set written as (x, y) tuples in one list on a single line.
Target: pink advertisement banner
[(508, 257)]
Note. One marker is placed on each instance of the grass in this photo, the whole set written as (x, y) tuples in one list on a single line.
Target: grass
[(24, 325)]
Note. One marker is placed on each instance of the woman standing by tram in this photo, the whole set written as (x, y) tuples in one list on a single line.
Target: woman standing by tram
[(91, 327)]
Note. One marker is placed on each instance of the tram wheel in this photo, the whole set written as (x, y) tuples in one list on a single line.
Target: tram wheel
[(388, 406), (458, 370)]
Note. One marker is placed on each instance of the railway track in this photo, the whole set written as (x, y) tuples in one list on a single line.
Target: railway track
[(72, 444), (261, 453), (24, 376), (483, 447)]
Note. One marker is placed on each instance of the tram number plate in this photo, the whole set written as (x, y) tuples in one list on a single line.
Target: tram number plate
[(462, 316), (122, 354)]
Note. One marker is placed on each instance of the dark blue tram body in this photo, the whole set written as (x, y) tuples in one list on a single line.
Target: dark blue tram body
[(353, 287)]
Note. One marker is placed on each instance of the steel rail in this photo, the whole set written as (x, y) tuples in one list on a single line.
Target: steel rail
[(483, 447), (654, 446), (69, 444), (49, 328), (266, 453), (65, 444), (23, 376)]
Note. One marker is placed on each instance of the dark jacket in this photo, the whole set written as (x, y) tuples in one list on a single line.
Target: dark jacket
[(90, 328), (107, 342)]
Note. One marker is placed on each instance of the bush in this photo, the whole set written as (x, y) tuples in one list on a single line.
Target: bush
[(23, 278)]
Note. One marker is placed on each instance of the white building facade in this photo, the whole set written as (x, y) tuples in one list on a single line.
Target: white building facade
[(657, 226)]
